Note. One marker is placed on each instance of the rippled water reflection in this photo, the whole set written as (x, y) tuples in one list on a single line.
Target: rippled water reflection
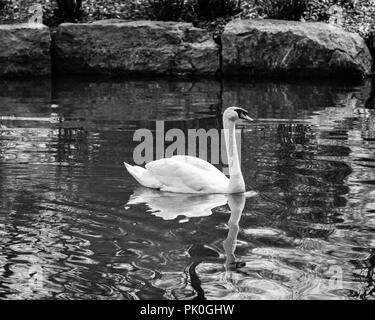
[(74, 225)]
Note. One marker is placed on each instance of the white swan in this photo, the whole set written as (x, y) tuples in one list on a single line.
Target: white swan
[(186, 174)]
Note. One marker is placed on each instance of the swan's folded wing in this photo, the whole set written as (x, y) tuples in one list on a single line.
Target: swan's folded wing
[(197, 162), (181, 176), (143, 176)]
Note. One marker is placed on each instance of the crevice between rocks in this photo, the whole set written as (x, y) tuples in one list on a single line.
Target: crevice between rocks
[(218, 41)]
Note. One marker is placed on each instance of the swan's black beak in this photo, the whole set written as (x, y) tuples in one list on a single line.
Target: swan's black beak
[(243, 115), (246, 118)]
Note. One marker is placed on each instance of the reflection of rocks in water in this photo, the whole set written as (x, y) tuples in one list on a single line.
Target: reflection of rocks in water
[(285, 158), (303, 163), (89, 111), (137, 100), (282, 100), (370, 102), (346, 107), (319, 171), (25, 97)]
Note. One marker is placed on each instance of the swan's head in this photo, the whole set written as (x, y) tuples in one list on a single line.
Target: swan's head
[(235, 114)]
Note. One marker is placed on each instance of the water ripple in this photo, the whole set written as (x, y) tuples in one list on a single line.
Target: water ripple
[(73, 224)]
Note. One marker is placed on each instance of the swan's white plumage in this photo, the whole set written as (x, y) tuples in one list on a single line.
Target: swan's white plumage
[(143, 176), (183, 174)]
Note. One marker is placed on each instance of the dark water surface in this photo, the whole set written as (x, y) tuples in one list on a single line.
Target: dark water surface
[(75, 225)]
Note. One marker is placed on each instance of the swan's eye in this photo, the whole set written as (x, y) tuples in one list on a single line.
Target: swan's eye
[(241, 113)]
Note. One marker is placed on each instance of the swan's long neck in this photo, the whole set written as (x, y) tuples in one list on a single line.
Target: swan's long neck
[(236, 181)]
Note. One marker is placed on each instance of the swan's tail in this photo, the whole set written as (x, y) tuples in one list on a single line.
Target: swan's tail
[(129, 168), (134, 172), (143, 176)]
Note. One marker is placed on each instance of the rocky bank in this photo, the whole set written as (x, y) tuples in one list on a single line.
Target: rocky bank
[(153, 48), (25, 50)]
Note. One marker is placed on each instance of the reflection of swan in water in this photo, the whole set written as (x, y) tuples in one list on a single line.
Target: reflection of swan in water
[(186, 174), (236, 204), (169, 206)]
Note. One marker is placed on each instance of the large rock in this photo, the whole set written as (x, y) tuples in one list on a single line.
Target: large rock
[(371, 45), (272, 47), (25, 50), (136, 47)]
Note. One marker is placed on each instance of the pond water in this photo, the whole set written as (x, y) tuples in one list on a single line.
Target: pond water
[(75, 225)]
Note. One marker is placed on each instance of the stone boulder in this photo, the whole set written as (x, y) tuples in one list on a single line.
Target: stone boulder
[(276, 47), (25, 50), (371, 45), (134, 47)]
